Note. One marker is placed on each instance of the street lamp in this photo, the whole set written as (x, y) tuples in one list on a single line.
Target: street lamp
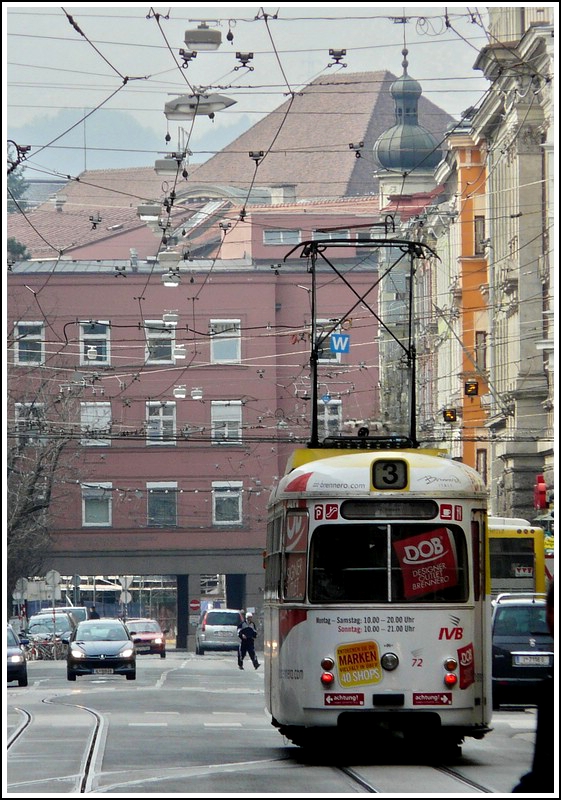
[(168, 165), (170, 318), (149, 212), (188, 106), (171, 278), (203, 37)]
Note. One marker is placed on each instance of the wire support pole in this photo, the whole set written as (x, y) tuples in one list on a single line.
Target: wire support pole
[(314, 438)]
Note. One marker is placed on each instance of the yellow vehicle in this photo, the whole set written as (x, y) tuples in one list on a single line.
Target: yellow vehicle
[(516, 556)]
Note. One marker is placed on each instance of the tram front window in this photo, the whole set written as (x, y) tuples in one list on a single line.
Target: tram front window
[(388, 563)]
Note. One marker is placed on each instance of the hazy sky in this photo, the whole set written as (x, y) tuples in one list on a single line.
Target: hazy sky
[(52, 66)]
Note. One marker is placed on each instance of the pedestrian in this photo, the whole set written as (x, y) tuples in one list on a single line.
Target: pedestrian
[(540, 778), (247, 633), (93, 613)]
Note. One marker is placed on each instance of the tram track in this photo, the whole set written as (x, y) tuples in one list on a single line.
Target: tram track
[(86, 752), (80, 776), (381, 778)]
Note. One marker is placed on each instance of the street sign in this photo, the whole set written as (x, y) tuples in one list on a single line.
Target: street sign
[(194, 605), (21, 588), (125, 581), (52, 577), (125, 598), (76, 580), (339, 342)]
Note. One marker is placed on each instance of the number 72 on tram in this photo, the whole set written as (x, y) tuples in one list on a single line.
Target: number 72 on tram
[(377, 613)]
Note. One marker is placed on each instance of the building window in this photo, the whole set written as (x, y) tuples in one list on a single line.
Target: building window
[(481, 350), (225, 341), (226, 421), (29, 342), (160, 342), (330, 418), (94, 343), (95, 420), (319, 235), (481, 463), (324, 329), (227, 502), (96, 504), (30, 424), (281, 236), (479, 235), (162, 504), (160, 423)]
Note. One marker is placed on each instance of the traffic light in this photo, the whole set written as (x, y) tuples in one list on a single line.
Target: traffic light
[(540, 492), (471, 388), (450, 415)]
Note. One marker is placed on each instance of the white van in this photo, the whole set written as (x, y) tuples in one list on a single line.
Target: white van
[(218, 630)]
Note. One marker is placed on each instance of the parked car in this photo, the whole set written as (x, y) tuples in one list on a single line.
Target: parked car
[(49, 624), (218, 630), (78, 613), (16, 658), (523, 650), (147, 635), (100, 647)]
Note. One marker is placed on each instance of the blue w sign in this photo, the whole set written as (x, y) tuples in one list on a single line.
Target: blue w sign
[(339, 342)]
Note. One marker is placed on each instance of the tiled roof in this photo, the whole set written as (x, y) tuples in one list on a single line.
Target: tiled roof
[(309, 136), (407, 206)]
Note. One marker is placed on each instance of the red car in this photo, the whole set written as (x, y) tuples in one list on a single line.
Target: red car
[(148, 637)]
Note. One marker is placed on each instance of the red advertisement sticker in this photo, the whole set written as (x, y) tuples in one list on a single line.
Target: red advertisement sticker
[(428, 562), (466, 659)]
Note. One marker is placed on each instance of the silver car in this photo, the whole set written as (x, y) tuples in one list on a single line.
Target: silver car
[(218, 630)]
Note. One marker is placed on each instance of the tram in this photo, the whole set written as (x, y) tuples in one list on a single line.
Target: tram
[(377, 615), (516, 556), (377, 607)]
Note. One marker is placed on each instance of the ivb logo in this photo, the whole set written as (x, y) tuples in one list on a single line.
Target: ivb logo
[(451, 633)]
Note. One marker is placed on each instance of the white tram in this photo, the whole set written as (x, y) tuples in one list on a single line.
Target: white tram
[(377, 612)]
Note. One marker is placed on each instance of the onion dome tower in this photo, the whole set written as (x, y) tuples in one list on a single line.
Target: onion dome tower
[(407, 153)]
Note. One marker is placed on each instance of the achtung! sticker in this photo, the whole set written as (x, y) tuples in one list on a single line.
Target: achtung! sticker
[(358, 664)]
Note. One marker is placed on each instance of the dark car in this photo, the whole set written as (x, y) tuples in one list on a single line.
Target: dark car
[(101, 647), (218, 630), (17, 661), (522, 648), (147, 636)]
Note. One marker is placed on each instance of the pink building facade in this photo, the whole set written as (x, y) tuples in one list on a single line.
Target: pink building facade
[(180, 405)]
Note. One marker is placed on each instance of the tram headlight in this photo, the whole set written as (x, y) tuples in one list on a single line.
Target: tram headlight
[(450, 679), (327, 663), (327, 679), (450, 664), (389, 661)]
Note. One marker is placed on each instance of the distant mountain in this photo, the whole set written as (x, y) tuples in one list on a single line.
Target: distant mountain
[(113, 139)]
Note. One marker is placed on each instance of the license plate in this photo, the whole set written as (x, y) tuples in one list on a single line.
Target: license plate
[(142, 647), (531, 661), (103, 672)]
